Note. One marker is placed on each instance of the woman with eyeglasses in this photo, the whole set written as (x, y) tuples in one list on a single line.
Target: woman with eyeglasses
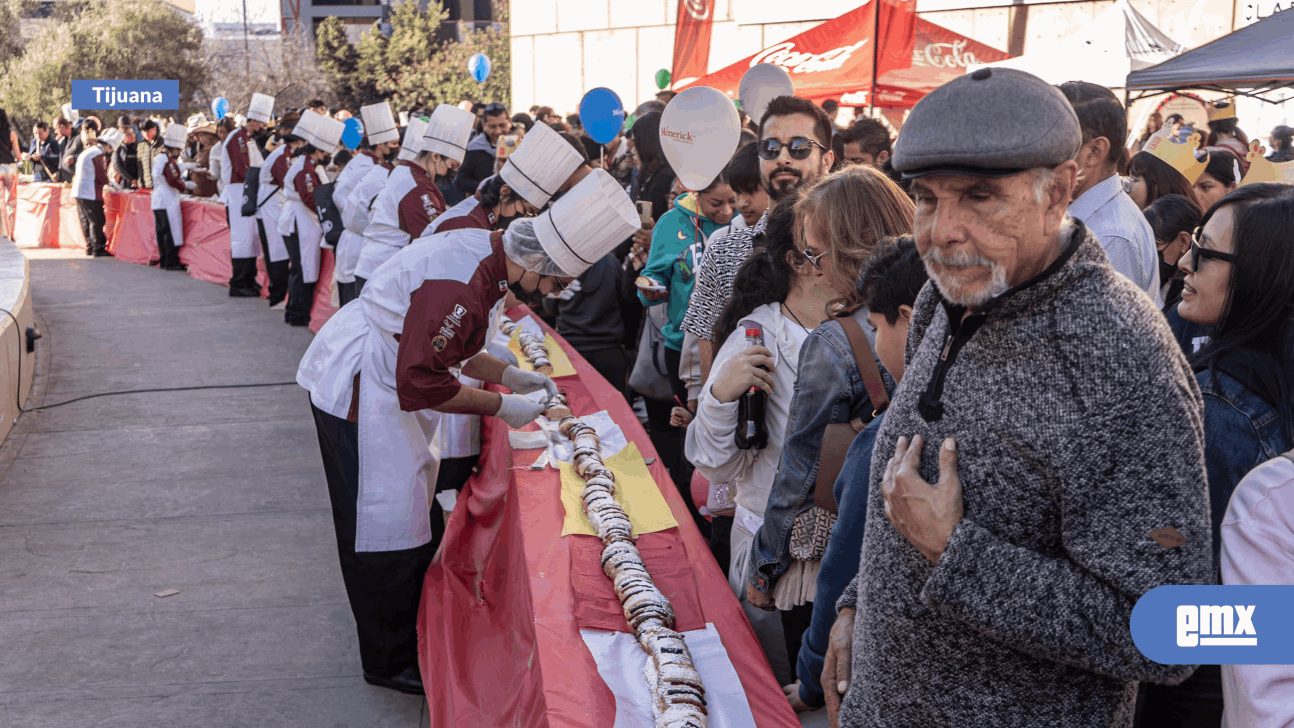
[(1240, 284), (1173, 218), (838, 222)]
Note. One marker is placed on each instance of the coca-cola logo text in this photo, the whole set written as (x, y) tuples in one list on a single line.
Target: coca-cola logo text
[(944, 55), (698, 9), (785, 55), (682, 136)]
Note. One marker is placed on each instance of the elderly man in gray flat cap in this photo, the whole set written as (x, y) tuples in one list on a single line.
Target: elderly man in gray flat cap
[(1042, 466)]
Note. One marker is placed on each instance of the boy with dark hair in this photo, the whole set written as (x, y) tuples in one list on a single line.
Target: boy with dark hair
[(743, 177), (867, 142)]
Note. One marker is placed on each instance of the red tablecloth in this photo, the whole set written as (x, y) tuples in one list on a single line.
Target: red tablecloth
[(499, 641), (322, 309), (132, 237), (69, 223), (37, 220)]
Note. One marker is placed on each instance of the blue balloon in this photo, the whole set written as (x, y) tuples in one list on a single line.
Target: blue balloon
[(220, 107), (353, 134), (479, 66), (602, 114)]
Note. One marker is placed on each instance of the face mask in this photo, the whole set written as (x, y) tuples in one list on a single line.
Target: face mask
[(1166, 270), (502, 222), (531, 298)]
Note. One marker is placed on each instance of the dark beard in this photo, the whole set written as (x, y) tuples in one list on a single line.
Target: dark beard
[(533, 299), (780, 190)]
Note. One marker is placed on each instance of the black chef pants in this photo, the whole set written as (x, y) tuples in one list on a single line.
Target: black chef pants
[(384, 587), (277, 271), (169, 255), (92, 221), (301, 295)]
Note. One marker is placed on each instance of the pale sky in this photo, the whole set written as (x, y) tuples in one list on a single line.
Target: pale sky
[(231, 11)]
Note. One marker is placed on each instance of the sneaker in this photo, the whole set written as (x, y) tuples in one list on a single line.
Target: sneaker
[(244, 293)]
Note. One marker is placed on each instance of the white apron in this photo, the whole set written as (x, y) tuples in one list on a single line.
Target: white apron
[(166, 197), (244, 242), (269, 197), (298, 218)]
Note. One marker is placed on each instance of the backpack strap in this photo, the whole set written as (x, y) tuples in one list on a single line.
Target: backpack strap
[(866, 364)]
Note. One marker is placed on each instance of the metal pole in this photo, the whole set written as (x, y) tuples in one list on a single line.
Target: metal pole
[(876, 54), (247, 51)]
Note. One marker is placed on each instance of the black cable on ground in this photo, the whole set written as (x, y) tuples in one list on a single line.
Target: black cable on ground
[(18, 402)]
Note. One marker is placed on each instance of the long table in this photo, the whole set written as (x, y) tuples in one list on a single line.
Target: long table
[(499, 628), (48, 218)]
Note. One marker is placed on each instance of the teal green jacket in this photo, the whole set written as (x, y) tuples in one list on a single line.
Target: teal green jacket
[(676, 251)]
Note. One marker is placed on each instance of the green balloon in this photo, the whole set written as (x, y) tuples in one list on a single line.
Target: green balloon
[(629, 122), (662, 78)]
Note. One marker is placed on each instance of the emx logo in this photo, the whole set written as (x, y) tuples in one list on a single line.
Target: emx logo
[(1223, 622), (1215, 625)]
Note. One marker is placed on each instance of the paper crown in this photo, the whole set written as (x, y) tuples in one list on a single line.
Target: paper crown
[(587, 223), (261, 108), (1222, 110), (175, 136), (1178, 155), (412, 143), (448, 132), (1263, 170), (379, 124), (540, 164)]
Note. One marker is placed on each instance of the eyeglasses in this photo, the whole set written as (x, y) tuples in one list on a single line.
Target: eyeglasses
[(808, 254), (1198, 253), (798, 148)]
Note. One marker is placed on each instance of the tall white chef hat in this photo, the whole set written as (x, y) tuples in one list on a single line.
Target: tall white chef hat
[(379, 124), (448, 132), (327, 133), (112, 138), (306, 127), (577, 231), (412, 142), (176, 135), (69, 113), (541, 163), (261, 109)]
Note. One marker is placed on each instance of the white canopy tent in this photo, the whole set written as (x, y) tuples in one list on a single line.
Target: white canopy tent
[(1118, 41)]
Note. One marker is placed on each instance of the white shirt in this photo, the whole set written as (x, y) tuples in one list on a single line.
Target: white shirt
[(1258, 548), (83, 180), (1125, 235)]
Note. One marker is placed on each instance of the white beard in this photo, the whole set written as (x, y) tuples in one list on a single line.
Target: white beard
[(937, 262)]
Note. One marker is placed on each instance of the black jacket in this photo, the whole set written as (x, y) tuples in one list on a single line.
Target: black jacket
[(125, 162), (48, 151), (478, 164)]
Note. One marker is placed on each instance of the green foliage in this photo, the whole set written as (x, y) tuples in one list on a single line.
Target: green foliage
[(338, 60), (412, 69), (106, 39)]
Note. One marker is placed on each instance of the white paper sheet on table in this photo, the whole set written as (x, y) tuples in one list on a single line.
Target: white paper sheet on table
[(611, 438), (621, 661)]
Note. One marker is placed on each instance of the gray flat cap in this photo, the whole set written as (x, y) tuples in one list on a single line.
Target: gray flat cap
[(994, 122)]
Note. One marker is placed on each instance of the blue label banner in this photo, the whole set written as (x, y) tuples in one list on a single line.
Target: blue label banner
[(1216, 625), (127, 95)]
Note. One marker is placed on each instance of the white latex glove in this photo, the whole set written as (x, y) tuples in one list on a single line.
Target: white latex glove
[(190, 186), (518, 411), (523, 382)]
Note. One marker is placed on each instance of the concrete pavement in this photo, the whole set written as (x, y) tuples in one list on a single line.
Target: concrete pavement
[(219, 494)]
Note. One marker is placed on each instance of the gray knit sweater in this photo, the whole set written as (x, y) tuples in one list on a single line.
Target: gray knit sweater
[(1079, 431)]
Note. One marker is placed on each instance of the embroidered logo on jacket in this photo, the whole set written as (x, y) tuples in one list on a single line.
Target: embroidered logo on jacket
[(439, 343)]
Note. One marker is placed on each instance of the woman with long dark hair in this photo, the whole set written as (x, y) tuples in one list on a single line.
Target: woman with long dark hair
[(1240, 285), (1174, 219), (1150, 178), (1282, 144), (1226, 133), (1221, 176), (10, 153)]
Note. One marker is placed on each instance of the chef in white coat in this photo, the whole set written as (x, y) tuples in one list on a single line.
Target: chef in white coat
[(299, 222), (381, 143), (165, 202), (383, 369), (359, 205), (238, 153), (269, 208)]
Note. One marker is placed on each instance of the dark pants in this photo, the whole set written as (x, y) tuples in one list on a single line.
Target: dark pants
[(301, 295), (721, 541), (244, 276), (170, 255), (277, 272), (672, 359), (347, 292), (359, 285), (384, 587), (610, 363), (92, 221), (1196, 703), (795, 622), (453, 475), (668, 441)]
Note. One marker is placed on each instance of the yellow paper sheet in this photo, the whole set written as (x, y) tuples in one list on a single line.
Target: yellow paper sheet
[(562, 366), (636, 492)]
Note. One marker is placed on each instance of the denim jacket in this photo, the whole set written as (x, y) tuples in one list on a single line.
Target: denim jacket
[(829, 390), (1241, 431)]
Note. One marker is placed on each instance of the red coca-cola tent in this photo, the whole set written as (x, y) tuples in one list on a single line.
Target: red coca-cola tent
[(834, 60)]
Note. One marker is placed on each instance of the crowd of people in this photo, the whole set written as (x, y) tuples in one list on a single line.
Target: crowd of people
[(1017, 371)]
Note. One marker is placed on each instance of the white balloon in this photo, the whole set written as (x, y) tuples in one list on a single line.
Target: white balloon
[(699, 131), (761, 84)]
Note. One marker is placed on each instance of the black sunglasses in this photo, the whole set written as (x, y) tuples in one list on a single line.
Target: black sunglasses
[(1199, 253), (798, 148)]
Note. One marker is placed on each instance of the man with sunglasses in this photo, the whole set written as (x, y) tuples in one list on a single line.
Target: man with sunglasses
[(1041, 467), (478, 163), (795, 152)]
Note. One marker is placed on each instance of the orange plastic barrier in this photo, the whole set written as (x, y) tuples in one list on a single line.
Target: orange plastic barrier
[(499, 627), (131, 236), (69, 224), (37, 219), (322, 309)]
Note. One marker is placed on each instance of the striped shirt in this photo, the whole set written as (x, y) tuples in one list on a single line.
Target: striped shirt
[(1127, 238), (713, 287)]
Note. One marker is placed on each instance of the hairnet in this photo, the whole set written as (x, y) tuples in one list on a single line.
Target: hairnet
[(522, 245)]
